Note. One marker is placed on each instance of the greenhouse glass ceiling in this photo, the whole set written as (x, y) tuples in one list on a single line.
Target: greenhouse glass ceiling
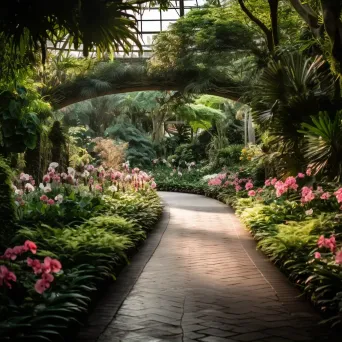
[(151, 21)]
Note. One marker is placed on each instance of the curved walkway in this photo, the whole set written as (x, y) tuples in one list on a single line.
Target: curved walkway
[(206, 282)]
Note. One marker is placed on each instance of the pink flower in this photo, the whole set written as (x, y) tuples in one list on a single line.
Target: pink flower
[(251, 193), (280, 188), (338, 195), (215, 181), (301, 175), (6, 276), (291, 183), (307, 195), (249, 185), (35, 264), (320, 242), (41, 286), (44, 198), (273, 181), (46, 178), (48, 277), (338, 257), (317, 255), (10, 254), (51, 265), (308, 171), (153, 185), (331, 243), (19, 250), (325, 196), (50, 202), (267, 182), (327, 243), (98, 187), (238, 188), (29, 245)]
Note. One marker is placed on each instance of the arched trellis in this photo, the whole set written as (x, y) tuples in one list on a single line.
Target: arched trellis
[(114, 78)]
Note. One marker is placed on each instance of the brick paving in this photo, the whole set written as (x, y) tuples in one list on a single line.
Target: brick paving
[(200, 278)]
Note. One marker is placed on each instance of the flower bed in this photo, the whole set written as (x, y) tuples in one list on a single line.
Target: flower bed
[(74, 230)]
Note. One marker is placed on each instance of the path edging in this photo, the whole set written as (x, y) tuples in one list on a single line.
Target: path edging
[(108, 306)]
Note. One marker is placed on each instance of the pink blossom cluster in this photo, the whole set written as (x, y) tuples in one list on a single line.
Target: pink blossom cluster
[(307, 194), (329, 243), (6, 277), (338, 195), (45, 268), (13, 253)]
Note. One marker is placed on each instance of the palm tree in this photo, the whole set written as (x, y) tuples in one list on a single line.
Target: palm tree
[(291, 90), (105, 25)]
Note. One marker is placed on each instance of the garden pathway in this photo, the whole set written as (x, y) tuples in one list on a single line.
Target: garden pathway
[(206, 282)]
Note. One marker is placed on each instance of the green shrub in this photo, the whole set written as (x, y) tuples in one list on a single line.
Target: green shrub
[(140, 150), (117, 225), (229, 155), (142, 209), (7, 206), (89, 245)]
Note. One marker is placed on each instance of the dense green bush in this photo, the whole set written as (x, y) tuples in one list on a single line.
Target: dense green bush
[(229, 155), (7, 206), (140, 150)]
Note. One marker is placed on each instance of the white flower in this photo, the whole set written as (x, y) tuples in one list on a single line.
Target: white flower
[(85, 174), (19, 192), (155, 161), (128, 178), (173, 160), (46, 188), (192, 163), (71, 171), (53, 165), (171, 173), (113, 188), (29, 187), (309, 212), (164, 161), (64, 175), (59, 198), (168, 164), (180, 174)]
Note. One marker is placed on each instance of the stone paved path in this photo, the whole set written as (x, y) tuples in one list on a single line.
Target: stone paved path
[(206, 282)]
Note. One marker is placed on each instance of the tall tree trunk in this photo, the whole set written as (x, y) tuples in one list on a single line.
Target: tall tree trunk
[(274, 4), (32, 161), (333, 26), (251, 130)]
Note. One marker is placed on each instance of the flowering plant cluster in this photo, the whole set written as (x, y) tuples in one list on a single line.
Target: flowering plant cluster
[(250, 152), (276, 188), (43, 269), (227, 180), (51, 191), (328, 245)]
